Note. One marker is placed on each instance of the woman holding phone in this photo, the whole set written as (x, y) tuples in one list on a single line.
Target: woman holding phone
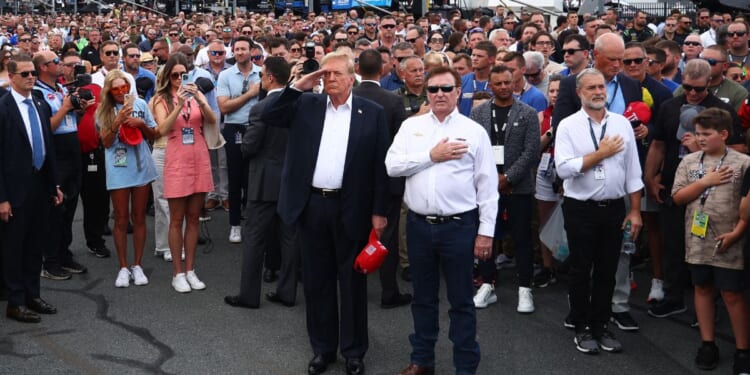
[(125, 124), (182, 112)]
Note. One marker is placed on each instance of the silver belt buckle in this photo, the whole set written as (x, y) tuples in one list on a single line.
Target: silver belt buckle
[(431, 219)]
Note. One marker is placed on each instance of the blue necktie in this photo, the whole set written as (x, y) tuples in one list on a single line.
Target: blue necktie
[(36, 136)]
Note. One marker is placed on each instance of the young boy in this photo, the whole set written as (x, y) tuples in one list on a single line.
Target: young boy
[(709, 182)]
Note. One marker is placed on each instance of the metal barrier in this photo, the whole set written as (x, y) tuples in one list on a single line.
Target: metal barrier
[(660, 9)]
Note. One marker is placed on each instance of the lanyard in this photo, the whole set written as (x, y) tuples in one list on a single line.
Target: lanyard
[(708, 191), (500, 136), (186, 115), (614, 95), (744, 58), (486, 83), (593, 137)]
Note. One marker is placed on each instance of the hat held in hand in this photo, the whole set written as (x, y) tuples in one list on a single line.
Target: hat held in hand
[(371, 256)]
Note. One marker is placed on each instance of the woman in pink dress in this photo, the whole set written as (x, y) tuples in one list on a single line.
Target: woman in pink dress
[(181, 111)]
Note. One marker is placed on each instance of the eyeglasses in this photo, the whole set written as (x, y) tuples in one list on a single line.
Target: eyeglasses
[(572, 51), (112, 53), (435, 89), (436, 40), (55, 61), (697, 89), (176, 75), (119, 90), (736, 33), (295, 50), (134, 55), (27, 73), (256, 57), (371, 24), (637, 61), (691, 43), (713, 62), (217, 53), (388, 26), (227, 30), (652, 62)]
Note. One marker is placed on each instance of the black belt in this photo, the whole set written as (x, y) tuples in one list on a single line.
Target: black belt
[(601, 203), (437, 219), (326, 193)]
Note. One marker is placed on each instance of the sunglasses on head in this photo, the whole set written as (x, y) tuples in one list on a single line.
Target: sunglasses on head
[(217, 53), (697, 89), (713, 62), (435, 89), (571, 51), (637, 61), (691, 43), (736, 33), (28, 73), (111, 53)]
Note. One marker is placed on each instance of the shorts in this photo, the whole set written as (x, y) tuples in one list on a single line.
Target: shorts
[(724, 279), (544, 191)]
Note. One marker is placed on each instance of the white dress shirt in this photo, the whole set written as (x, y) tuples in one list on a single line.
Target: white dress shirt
[(450, 187), (329, 168), (622, 171), (24, 109)]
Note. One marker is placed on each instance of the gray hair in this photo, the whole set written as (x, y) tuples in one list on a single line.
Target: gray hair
[(534, 58), (405, 60), (697, 69), (589, 72)]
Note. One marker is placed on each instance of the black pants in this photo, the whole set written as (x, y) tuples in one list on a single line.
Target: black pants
[(519, 209), (68, 158), (95, 197), (237, 170), (676, 274), (594, 238), (390, 241), (327, 257)]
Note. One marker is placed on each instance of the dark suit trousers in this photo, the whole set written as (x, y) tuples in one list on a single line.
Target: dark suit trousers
[(68, 157), (95, 197), (676, 274), (236, 170), (390, 240), (595, 239), (261, 229), (22, 242), (327, 256)]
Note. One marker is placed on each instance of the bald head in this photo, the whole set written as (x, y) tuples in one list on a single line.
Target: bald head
[(609, 50)]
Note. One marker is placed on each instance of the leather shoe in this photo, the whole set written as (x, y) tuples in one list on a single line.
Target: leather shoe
[(273, 297), (270, 276), (417, 370), (40, 306), (354, 366), (402, 299), (22, 314), (235, 301), (319, 363)]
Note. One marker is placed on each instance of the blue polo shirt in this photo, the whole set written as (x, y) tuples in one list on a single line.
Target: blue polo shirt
[(533, 97), (230, 85), (54, 97)]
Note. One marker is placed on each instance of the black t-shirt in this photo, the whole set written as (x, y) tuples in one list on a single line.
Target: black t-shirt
[(497, 127), (665, 130), (91, 54)]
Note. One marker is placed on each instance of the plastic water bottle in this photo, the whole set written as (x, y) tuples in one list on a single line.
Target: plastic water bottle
[(628, 246)]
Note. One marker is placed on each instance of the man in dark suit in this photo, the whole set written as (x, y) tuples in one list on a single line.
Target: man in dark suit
[(334, 187), (370, 63), (265, 147), (27, 191)]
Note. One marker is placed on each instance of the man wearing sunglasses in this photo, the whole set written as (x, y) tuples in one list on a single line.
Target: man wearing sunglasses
[(145, 80), (109, 54), (737, 34), (387, 32), (415, 35), (691, 49), (449, 232), (576, 54), (728, 91), (370, 27), (656, 59), (708, 38), (664, 155)]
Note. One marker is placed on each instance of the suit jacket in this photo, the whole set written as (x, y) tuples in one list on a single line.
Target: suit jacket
[(265, 147), (521, 142), (364, 190), (16, 159), (395, 114)]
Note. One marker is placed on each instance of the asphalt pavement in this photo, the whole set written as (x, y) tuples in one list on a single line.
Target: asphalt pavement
[(152, 329)]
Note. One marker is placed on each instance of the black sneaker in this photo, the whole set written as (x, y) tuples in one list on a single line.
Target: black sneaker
[(544, 278), (74, 267), (100, 252), (624, 321), (608, 342), (741, 362), (55, 272), (665, 309), (585, 342), (707, 357)]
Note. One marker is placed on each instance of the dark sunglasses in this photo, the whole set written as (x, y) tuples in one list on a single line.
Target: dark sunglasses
[(111, 53), (27, 73), (227, 30), (694, 44), (652, 62), (371, 24), (389, 26), (436, 40), (697, 89), (435, 89), (256, 57), (294, 50), (736, 33), (353, 32), (134, 55), (217, 53), (637, 61), (24, 40), (55, 61), (572, 51), (713, 62), (532, 75), (176, 75), (174, 34), (412, 40)]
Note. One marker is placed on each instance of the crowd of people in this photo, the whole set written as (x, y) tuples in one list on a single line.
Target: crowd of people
[(452, 138)]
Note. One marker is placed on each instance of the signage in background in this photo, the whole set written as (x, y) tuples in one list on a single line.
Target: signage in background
[(346, 4)]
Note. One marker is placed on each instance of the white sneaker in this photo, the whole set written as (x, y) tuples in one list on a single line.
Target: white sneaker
[(485, 296), (123, 278), (168, 256), (525, 301), (235, 234), (139, 278), (180, 284), (194, 281), (657, 291)]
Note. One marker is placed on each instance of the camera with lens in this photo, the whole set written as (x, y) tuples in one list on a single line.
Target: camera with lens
[(76, 90), (310, 65)]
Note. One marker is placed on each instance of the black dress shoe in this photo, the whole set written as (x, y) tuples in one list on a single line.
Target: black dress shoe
[(402, 299), (273, 297), (270, 276), (22, 314), (319, 363), (354, 366), (40, 306), (234, 301), (405, 274)]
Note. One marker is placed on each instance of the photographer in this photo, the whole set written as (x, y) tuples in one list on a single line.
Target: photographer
[(58, 261), (309, 62)]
